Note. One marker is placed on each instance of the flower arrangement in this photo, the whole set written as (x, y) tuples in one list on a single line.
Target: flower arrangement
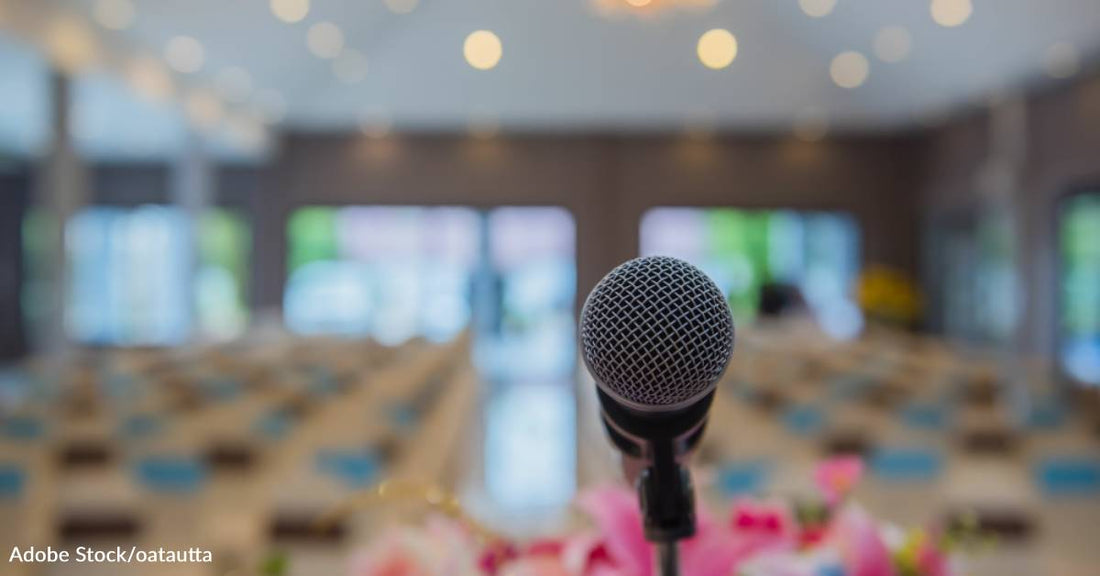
[(831, 536)]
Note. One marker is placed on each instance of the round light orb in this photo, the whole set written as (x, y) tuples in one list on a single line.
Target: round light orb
[(203, 109), (184, 54), (149, 79), (951, 13), (70, 44), (114, 14), (482, 50), (717, 48), (849, 69), (350, 67), (893, 44), (1062, 60), (817, 8), (401, 6), (290, 11), (325, 40)]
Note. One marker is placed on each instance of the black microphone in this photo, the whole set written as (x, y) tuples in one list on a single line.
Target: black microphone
[(656, 333)]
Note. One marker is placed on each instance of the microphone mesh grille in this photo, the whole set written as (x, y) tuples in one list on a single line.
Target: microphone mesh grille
[(657, 333)]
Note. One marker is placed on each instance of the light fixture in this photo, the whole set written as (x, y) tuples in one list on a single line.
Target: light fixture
[(325, 40), (892, 44), (184, 54), (716, 48), (482, 49), (350, 67), (114, 14), (849, 69), (70, 44), (148, 78), (817, 8), (951, 13), (203, 109), (290, 11)]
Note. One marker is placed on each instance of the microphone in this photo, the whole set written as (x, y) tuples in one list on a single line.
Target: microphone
[(657, 334)]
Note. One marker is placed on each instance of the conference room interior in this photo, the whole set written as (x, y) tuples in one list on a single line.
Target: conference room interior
[(258, 257)]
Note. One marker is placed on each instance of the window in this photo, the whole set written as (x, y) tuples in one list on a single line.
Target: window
[(508, 274), (1079, 283), (129, 274), (744, 250)]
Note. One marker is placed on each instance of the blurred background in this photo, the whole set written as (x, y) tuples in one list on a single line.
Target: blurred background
[(257, 255)]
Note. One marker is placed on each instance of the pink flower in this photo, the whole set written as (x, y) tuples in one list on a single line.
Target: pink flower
[(931, 561), (442, 547), (862, 549), (836, 477), (715, 550)]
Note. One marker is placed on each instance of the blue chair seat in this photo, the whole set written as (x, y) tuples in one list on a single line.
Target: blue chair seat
[(906, 464)]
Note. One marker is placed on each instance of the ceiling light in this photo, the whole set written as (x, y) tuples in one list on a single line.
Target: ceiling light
[(951, 13), (325, 40), (893, 43), (70, 44), (401, 6), (849, 69), (203, 109), (717, 48), (482, 49), (1062, 60), (114, 14), (184, 54), (148, 78), (234, 84), (350, 67), (290, 11), (817, 8)]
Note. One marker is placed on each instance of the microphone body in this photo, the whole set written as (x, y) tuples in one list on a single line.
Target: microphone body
[(657, 336)]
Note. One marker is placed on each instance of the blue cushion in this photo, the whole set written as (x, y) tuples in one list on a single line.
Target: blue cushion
[(403, 417), (1046, 415), (222, 389), (1068, 476), (23, 428), (906, 464), (739, 478), (924, 416), (273, 425), (141, 426), (171, 473), (12, 480), (355, 468), (804, 420)]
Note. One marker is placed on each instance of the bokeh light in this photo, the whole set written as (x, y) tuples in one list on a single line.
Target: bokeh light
[(951, 13), (234, 84), (817, 8), (1061, 60), (893, 44), (482, 50), (811, 124), (290, 11), (149, 79), (184, 54), (114, 14), (325, 40), (203, 109), (717, 48), (849, 69)]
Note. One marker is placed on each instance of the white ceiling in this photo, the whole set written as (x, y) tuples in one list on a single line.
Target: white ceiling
[(566, 67)]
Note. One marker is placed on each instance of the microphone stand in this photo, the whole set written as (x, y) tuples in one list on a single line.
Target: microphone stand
[(668, 506)]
